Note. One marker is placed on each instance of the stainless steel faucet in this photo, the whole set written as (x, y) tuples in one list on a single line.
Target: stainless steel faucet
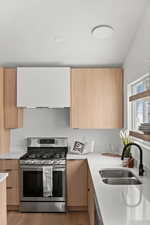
[(141, 170)]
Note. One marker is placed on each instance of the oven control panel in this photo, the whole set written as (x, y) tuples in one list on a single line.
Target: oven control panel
[(47, 142)]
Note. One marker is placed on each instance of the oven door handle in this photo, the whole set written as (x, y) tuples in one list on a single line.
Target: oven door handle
[(40, 168), (31, 168)]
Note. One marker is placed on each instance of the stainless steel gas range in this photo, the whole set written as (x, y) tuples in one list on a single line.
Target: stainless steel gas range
[(43, 175)]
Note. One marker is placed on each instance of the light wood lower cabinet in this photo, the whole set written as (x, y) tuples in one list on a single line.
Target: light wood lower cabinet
[(3, 211), (91, 201), (77, 182), (9, 164), (12, 198), (12, 180), (12, 185)]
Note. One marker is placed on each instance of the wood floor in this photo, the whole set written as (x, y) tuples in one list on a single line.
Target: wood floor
[(71, 218)]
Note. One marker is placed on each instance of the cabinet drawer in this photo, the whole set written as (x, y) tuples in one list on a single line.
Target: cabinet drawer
[(9, 164), (12, 196)]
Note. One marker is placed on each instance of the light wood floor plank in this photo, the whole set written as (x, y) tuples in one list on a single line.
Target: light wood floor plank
[(71, 218)]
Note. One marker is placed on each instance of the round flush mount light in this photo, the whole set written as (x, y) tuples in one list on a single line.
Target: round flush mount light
[(102, 31)]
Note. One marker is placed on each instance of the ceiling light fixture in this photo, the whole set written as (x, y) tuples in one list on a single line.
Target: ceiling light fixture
[(102, 31)]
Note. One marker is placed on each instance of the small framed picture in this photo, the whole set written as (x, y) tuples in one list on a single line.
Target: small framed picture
[(78, 147)]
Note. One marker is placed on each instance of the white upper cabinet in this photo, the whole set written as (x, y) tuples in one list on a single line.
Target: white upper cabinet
[(43, 87)]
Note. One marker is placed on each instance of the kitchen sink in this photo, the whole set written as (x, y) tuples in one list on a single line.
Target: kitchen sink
[(122, 181), (119, 177), (116, 173)]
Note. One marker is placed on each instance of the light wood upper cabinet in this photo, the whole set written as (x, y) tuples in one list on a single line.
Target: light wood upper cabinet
[(43, 87), (77, 183), (13, 115), (96, 98), (4, 133)]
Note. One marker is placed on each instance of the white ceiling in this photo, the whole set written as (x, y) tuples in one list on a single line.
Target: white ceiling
[(28, 29)]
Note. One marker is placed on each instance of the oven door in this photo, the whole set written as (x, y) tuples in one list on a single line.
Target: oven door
[(32, 184)]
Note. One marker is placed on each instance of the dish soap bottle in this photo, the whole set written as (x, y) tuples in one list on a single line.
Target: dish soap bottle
[(130, 163)]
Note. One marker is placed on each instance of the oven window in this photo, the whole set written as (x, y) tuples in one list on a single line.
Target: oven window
[(32, 184), (57, 184)]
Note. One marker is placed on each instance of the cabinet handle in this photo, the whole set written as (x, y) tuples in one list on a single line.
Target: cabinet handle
[(9, 187), (8, 170)]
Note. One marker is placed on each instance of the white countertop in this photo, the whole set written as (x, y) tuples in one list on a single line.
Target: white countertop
[(71, 156), (12, 155), (120, 204), (3, 176)]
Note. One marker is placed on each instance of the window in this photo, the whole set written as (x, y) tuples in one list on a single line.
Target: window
[(139, 109), (140, 113), (140, 85)]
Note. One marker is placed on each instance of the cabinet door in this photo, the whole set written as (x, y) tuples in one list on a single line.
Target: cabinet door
[(3, 211), (96, 98), (77, 183), (12, 196), (91, 202), (13, 179), (13, 115), (12, 184), (4, 133), (43, 87)]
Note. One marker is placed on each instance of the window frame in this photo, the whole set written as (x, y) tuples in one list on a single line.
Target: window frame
[(131, 108)]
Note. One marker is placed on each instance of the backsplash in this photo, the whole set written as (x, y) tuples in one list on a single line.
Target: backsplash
[(55, 122)]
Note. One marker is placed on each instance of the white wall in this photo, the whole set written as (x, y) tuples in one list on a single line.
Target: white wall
[(136, 63), (47, 122), (55, 122)]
